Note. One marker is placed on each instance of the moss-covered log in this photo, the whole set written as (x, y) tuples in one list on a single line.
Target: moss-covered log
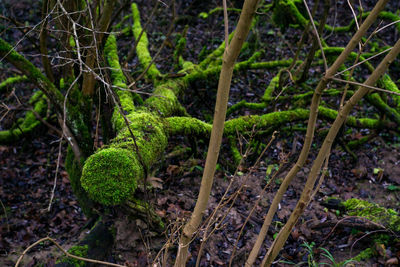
[(111, 175)]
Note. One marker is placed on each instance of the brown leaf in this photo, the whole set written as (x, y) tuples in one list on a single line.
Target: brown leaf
[(392, 262), (173, 170), (155, 182)]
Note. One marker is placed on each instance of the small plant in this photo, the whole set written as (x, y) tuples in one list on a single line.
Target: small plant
[(311, 261), (310, 257), (332, 260)]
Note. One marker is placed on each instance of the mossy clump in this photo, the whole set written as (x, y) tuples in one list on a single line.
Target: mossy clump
[(80, 251), (387, 217), (364, 255), (286, 12), (110, 175), (148, 130)]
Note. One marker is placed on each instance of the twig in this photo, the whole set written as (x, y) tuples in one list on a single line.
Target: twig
[(5, 214), (226, 24), (388, 25), (365, 60), (316, 35), (367, 86), (65, 252), (55, 176)]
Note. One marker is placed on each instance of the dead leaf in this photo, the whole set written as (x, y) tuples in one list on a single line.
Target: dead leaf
[(155, 182), (173, 170), (392, 261)]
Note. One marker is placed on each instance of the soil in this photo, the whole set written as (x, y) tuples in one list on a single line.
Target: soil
[(28, 168)]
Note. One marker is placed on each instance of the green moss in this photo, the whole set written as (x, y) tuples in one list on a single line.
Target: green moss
[(142, 47), (33, 73), (110, 175), (245, 104), (74, 173), (62, 84), (164, 101), (119, 83), (352, 121), (387, 217), (286, 12), (29, 123), (146, 209), (11, 80), (376, 100), (246, 123), (179, 48), (364, 255), (391, 86), (111, 50), (149, 132), (79, 119), (216, 54), (271, 88), (237, 156), (80, 251), (187, 126)]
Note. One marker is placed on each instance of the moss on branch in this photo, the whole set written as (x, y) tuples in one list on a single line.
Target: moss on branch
[(33, 73), (29, 122), (119, 84), (142, 45), (11, 80), (387, 217)]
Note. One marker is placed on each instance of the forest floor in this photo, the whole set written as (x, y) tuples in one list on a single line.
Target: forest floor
[(27, 174)]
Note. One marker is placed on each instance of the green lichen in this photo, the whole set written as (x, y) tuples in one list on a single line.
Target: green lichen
[(80, 251), (387, 217), (142, 47)]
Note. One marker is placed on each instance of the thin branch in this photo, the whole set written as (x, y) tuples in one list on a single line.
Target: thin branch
[(367, 86), (316, 35), (56, 174), (65, 252), (226, 24), (365, 60)]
